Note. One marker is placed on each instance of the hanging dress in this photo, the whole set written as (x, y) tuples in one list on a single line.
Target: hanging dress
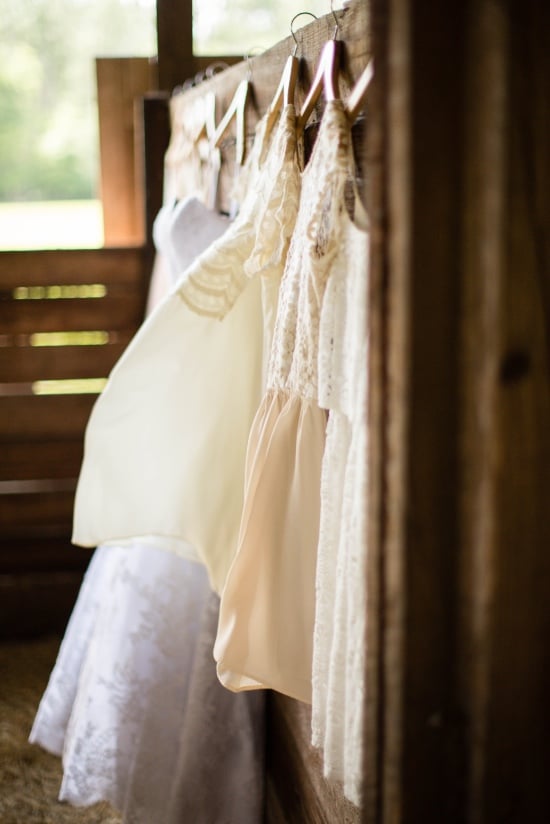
[(339, 651), (267, 608), (181, 482), (133, 703)]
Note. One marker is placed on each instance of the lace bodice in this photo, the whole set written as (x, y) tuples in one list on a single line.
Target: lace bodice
[(343, 319), (262, 229), (314, 245)]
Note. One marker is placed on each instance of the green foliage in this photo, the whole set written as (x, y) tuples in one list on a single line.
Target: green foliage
[(48, 118)]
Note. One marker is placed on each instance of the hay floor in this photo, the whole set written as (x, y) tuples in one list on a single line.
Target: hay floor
[(30, 777)]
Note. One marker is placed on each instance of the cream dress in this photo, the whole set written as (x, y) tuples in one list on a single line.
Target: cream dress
[(265, 634), (166, 442)]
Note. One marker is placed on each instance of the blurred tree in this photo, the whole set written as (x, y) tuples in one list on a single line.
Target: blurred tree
[(48, 119)]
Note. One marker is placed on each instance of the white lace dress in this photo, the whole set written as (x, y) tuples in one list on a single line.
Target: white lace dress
[(166, 442), (339, 638), (133, 703), (265, 634), (134, 706)]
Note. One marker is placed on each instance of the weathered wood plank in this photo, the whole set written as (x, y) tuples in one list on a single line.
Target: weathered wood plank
[(120, 81), (74, 266), (36, 417), (40, 554), (153, 133), (109, 312), (21, 513), (175, 42), (27, 460), (466, 570), (30, 363), (36, 603), (517, 561), (297, 791)]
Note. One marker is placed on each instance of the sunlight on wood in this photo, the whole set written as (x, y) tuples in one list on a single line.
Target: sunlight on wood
[(64, 292), (74, 386), (95, 338)]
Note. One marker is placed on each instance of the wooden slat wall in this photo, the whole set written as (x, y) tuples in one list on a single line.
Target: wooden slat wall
[(41, 435), (463, 715)]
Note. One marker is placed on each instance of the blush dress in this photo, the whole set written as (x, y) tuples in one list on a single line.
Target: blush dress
[(265, 634)]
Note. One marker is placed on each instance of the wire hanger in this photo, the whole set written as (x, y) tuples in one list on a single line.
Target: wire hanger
[(326, 77), (284, 95), (358, 94), (237, 111)]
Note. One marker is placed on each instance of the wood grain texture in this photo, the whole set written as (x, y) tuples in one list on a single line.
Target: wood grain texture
[(41, 554), (115, 311), (22, 460), (517, 745), (175, 42), (466, 577), (21, 514), (30, 363), (297, 791), (120, 81), (37, 417), (36, 603), (153, 134), (73, 266)]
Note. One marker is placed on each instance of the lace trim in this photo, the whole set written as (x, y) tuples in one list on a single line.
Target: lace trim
[(215, 281), (279, 206)]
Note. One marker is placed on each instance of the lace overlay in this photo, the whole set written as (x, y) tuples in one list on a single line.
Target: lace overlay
[(339, 636), (135, 707), (267, 611), (260, 234), (315, 243)]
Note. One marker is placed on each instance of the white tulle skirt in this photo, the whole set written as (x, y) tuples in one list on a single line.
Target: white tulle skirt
[(134, 706)]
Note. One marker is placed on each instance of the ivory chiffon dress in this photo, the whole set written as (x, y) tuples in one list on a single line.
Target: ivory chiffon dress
[(265, 634), (166, 442), (133, 703)]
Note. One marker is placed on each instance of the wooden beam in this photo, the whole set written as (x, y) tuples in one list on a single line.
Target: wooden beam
[(73, 266), (466, 455), (266, 71), (120, 81), (175, 42)]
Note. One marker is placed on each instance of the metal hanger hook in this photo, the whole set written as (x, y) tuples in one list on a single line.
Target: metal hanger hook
[(293, 33), (337, 24), (248, 56)]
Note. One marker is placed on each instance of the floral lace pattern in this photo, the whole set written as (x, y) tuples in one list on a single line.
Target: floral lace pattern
[(134, 703), (314, 244), (339, 636), (261, 232)]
